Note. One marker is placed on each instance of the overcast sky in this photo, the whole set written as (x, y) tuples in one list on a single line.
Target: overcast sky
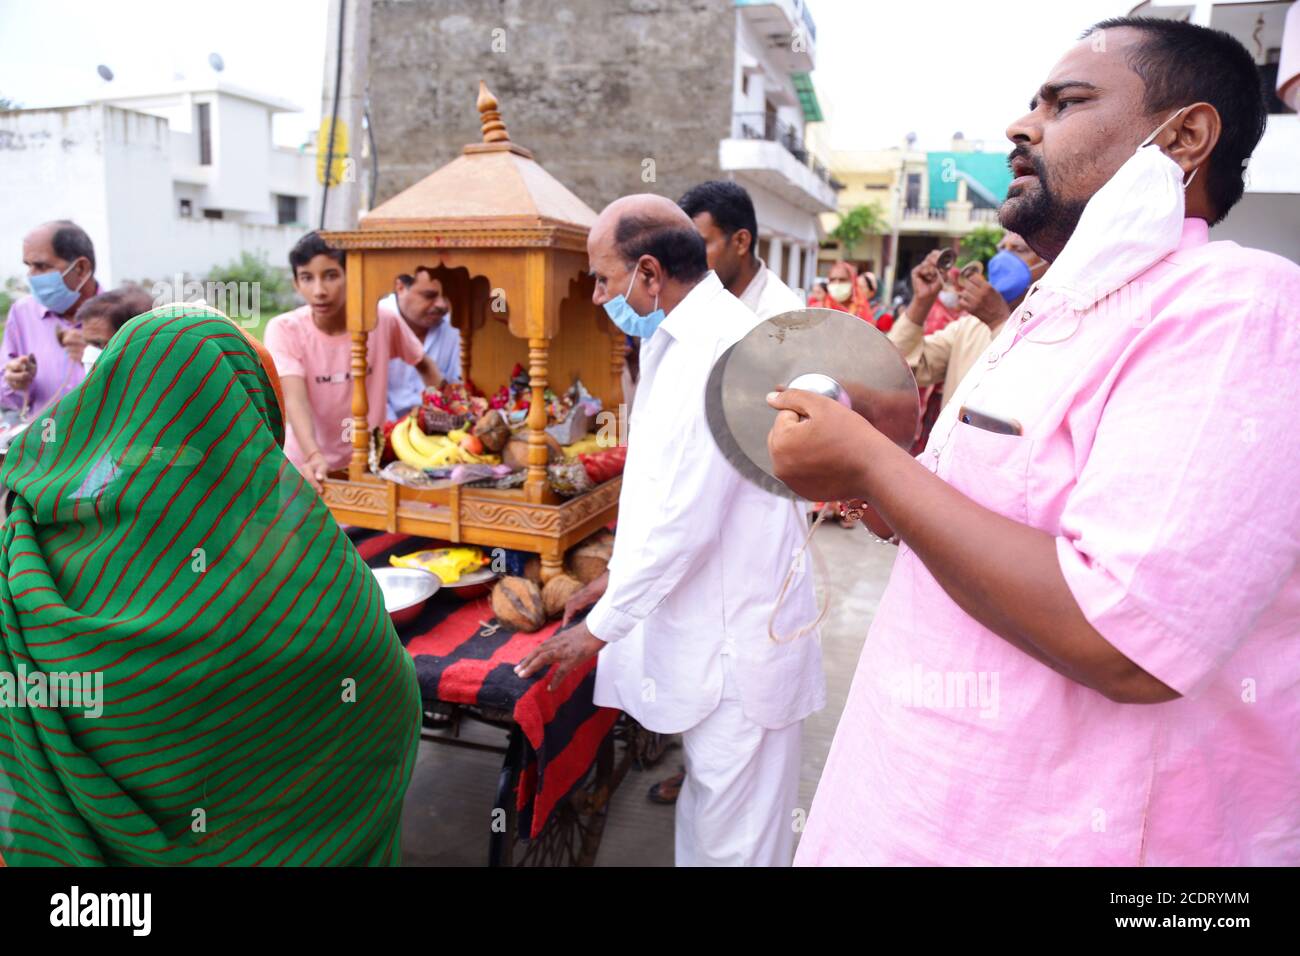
[(889, 67), (884, 67)]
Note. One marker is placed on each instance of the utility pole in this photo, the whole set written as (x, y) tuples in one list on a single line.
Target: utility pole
[(900, 184), (343, 96)]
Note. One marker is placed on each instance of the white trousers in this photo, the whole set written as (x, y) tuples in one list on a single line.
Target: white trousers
[(737, 805)]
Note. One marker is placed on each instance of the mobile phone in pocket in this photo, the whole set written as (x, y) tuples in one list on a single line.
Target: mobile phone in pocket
[(989, 422)]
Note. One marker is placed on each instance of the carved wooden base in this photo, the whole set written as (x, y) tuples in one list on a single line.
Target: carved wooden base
[(482, 518)]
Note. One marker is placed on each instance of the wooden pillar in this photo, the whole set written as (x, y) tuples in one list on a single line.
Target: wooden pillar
[(359, 464), (535, 481), (466, 337), (552, 561), (362, 317)]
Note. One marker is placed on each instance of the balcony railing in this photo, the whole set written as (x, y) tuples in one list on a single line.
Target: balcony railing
[(767, 126), (939, 214), (924, 212)]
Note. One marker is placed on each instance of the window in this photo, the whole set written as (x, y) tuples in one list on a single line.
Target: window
[(205, 134), (913, 190), (286, 210), (213, 214), (187, 209)]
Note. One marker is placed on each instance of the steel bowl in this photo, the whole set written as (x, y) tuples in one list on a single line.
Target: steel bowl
[(406, 591), (474, 585)]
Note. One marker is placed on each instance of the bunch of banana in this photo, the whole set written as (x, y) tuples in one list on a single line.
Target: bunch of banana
[(431, 451)]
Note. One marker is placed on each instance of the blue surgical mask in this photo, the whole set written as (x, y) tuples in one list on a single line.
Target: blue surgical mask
[(52, 292), (631, 321), (1009, 274)]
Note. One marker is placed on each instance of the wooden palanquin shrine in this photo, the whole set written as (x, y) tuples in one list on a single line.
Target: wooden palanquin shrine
[(508, 243)]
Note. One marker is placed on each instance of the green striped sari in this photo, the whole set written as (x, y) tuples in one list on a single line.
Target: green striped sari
[(254, 704)]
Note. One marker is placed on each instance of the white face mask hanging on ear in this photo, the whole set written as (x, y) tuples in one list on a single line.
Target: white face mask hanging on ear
[(1131, 223)]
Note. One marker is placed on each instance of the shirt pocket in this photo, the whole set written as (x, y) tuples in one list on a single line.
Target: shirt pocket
[(991, 469)]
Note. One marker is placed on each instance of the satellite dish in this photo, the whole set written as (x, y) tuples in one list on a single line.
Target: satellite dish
[(104, 72), (215, 61)]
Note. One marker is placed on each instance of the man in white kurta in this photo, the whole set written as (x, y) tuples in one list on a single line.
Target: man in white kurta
[(723, 213), (698, 562)]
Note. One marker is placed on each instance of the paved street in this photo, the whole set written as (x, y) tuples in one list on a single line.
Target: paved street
[(449, 803)]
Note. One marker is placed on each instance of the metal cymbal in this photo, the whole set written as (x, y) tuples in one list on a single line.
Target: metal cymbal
[(856, 355)]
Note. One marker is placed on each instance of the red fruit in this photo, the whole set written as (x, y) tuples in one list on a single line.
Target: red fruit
[(472, 444)]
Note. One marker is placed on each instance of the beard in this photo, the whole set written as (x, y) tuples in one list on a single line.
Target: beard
[(1038, 213)]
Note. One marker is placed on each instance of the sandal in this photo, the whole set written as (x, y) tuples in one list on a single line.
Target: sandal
[(666, 791)]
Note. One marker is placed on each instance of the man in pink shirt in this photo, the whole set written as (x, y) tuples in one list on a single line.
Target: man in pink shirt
[(313, 355), (1088, 651)]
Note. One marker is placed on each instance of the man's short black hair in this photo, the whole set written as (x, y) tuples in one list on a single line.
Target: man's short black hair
[(1182, 63), (71, 242), (309, 247), (407, 279), (679, 249), (729, 205)]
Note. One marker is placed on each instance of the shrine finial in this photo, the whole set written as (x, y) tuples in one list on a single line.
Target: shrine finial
[(494, 130)]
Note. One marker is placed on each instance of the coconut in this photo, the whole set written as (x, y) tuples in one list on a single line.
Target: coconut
[(493, 430), (590, 559), (515, 452), (517, 603), (557, 592)]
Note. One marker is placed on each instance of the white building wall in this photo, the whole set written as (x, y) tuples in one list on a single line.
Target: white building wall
[(241, 158), (111, 171), (51, 167), (137, 173), (792, 231)]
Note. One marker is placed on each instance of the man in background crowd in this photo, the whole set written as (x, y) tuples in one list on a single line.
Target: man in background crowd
[(723, 214), (420, 302), (313, 355), (39, 370), (943, 358)]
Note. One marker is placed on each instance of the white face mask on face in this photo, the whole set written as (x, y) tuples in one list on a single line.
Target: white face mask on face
[(1131, 223)]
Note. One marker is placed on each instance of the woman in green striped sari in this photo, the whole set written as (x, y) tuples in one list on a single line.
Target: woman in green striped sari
[(196, 667)]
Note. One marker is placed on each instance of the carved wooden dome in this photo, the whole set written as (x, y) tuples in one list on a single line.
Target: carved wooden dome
[(495, 184)]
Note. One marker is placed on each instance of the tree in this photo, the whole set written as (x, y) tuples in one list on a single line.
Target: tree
[(7, 104), (980, 243), (856, 224), (252, 271)]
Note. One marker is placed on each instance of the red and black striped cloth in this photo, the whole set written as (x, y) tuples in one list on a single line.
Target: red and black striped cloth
[(464, 655)]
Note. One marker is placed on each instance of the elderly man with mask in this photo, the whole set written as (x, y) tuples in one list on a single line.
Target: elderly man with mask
[(1087, 653), (699, 560), (41, 348)]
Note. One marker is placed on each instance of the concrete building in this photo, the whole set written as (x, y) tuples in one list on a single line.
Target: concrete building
[(612, 98), (924, 200), (165, 182), (1268, 215)]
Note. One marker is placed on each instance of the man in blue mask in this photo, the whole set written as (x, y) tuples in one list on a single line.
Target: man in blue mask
[(699, 560), (944, 357), (42, 347)]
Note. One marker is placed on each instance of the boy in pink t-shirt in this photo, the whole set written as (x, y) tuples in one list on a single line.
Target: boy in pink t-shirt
[(313, 354)]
